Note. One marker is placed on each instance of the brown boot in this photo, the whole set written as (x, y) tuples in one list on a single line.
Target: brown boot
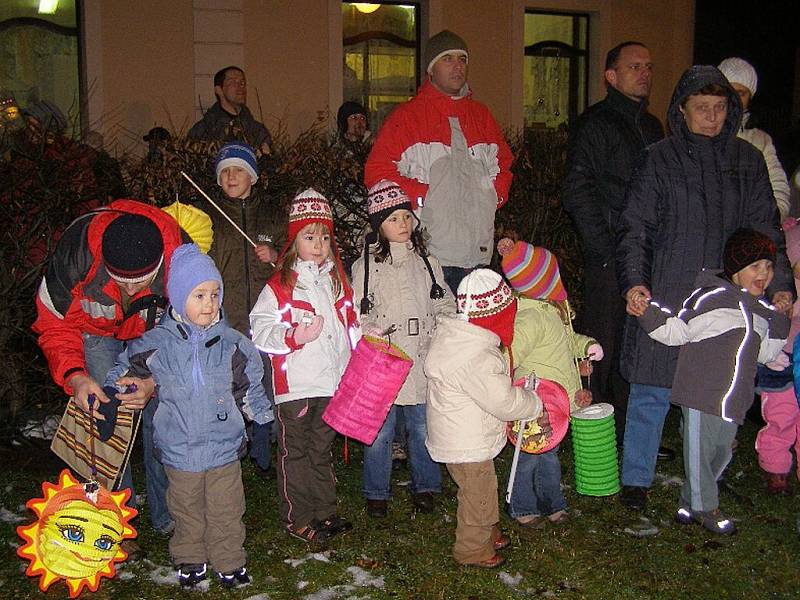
[(778, 484)]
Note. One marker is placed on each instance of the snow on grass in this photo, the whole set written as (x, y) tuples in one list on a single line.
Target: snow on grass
[(643, 529), (8, 516), (320, 556), (511, 581), (331, 593), (363, 578)]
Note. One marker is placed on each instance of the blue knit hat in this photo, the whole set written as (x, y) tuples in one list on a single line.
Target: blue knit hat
[(237, 154), (188, 268)]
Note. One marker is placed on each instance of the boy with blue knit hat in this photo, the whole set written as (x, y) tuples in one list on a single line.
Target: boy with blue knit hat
[(208, 375), (244, 268)]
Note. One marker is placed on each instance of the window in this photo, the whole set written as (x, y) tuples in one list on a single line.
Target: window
[(555, 79), (381, 55), (39, 56)]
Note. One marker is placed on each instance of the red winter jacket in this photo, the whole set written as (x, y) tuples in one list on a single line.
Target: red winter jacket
[(416, 132), (77, 295)]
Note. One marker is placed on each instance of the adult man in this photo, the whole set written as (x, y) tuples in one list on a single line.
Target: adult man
[(105, 284), (448, 154), (693, 191), (229, 119), (606, 145)]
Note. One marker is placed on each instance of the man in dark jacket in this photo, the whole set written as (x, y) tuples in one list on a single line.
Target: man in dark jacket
[(245, 269), (229, 118), (606, 145), (694, 190)]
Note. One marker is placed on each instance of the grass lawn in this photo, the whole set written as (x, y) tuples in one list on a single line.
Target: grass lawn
[(604, 551)]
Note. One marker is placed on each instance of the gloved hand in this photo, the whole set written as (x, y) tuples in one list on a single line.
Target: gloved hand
[(595, 352), (303, 334), (780, 363)]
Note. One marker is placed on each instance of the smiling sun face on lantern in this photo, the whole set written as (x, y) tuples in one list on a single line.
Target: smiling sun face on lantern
[(77, 535)]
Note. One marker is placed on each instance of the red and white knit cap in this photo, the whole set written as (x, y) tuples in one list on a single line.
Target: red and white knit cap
[(308, 207), (383, 199), (484, 299)]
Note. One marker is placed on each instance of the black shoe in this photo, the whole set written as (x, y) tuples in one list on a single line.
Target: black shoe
[(190, 575), (334, 525), (234, 579), (633, 497), (267, 474), (665, 454), (424, 502), (377, 509)]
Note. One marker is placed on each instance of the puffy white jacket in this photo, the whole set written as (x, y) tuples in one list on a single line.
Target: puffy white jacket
[(470, 396), (777, 176), (313, 369)]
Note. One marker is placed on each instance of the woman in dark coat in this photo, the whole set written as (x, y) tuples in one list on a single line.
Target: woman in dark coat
[(695, 189)]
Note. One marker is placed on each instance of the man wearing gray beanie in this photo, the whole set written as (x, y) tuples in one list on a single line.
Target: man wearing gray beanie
[(448, 154)]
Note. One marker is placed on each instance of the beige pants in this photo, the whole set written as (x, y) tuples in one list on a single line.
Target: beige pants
[(478, 511), (208, 509)]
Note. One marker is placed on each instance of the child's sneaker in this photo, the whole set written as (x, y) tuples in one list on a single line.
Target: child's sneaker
[(713, 520), (778, 484), (234, 579), (190, 575)]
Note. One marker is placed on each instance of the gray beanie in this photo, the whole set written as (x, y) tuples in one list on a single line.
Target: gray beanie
[(443, 43), (48, 115), (738, 70)]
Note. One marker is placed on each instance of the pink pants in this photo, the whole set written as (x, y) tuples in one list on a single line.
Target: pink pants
[(781, 432)]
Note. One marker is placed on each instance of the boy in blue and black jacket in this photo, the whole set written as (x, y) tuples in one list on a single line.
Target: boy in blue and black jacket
[(725, 329), (207, 374)]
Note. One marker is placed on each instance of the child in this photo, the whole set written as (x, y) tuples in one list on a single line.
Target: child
[(245, 269), (544, 345), (400, 290), (714, 379), (304, 319), (470, 398), (779, 405), (207, 373)]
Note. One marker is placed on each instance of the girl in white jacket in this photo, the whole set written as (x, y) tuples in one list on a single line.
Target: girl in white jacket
[(470, 397), (304, 320), (396, 285)]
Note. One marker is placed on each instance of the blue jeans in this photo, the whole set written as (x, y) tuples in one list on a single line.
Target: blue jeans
[(100, 354), (648, 406), (426, 475), (261, 435), (537, 486)]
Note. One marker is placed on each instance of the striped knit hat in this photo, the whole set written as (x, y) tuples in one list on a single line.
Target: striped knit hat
[(532, 270)]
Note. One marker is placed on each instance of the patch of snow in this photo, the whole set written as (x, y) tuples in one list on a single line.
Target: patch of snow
[(301, 585), (331, 593), (125, 575), (258, 597), (364, 578), (320, 556), (10, 517), (9, 488), (43, 430), (403, 483), (161, 575), (511, 581)]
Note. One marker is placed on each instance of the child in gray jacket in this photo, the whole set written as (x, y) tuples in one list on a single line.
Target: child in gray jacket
[(207, 374)]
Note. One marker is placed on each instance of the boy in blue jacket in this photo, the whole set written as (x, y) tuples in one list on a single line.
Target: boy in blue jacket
[(207, 374)]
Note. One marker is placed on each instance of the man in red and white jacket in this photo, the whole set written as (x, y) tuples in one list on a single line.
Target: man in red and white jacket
[(106, 284), (448, 154)]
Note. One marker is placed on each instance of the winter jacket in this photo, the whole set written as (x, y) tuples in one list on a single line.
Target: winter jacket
[(206, 379), (691, 194), (399, 289), (450, 157), (77, 295), (545, 346), (305, 370), (242, 271), (220, 125), (606, 146), (470, 396), (777, 176), (723, 332)]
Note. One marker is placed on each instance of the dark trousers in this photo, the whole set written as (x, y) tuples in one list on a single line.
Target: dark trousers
[(306, 482), (261, 435), (603, 318)]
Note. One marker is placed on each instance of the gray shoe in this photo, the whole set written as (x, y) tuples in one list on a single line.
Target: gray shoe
[(713, 520)]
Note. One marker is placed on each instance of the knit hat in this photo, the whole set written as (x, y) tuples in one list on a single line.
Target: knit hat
[(532, 270), (484, 299), (443, 43), (132, 248), (308, 207), (236, 154), (383, 199), (345, 111), (188, 268), (48, 115), (738, 70), (744, 247), (792, 233)]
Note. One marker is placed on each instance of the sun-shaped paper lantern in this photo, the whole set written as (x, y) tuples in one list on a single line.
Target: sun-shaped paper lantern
[(193, 221), (77, 534)]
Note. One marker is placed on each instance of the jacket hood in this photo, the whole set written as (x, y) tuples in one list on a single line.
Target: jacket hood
[(456, 342), (693, 80)]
